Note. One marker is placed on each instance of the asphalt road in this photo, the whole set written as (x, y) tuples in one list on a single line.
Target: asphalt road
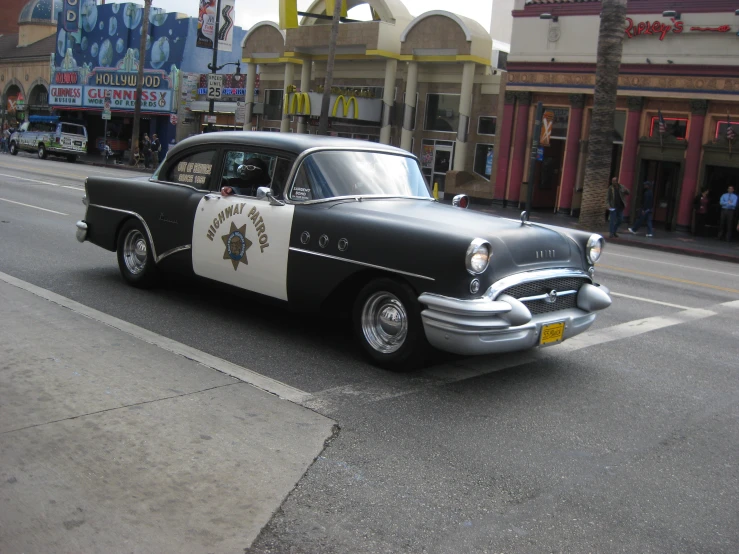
[(625, 439)]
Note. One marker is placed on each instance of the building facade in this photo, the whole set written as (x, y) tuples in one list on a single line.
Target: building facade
[(678, 94), (427, 84)]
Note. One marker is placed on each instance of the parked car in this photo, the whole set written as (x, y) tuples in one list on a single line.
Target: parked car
[(324, 223), (47, 135)]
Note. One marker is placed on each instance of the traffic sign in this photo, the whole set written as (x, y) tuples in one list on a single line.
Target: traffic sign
[(215, 84)]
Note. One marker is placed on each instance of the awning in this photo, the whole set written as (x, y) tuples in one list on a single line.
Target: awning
[(218, 107)]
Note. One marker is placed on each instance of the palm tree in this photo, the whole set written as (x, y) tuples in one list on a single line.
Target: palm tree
[(326, 100), (600, 144), (140, 80)]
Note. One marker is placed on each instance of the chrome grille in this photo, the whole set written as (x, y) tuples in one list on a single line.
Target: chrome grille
[(535, 288)]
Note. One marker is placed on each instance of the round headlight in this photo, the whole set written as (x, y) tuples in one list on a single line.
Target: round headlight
[(478, 256), (594, 248)]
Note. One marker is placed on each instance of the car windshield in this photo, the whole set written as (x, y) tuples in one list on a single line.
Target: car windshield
[(329, 174)]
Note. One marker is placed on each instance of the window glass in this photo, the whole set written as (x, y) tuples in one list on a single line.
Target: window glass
[(483, 164), (619, 125), (246, 170), (676, 127), (560, 120), (72, 129), (343, 173), (442, 112), (486, 125), (193, 169), (273, 103)]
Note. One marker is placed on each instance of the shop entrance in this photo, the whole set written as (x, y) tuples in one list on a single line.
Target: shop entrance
[(666, 179), (548, 175), (717, 179), (436, 160)]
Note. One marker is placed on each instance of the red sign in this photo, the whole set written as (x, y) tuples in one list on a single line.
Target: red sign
[(173, 118), (654, 28), (66, 77)]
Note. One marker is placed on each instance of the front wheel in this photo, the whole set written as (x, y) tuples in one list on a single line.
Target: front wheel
[(41, 152), (135, 258), (14, 149), (387, 324)]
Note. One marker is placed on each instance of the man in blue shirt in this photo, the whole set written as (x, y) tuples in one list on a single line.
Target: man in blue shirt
[(728, 208)]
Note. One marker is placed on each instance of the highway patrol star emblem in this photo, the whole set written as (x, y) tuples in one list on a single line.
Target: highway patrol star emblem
[(236, 245)]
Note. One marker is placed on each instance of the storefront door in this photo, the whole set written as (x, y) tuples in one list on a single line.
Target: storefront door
[(665, 176), (442, 164)]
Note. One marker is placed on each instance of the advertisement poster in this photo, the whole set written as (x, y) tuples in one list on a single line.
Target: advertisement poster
[(207, 24), (427, 155), (71, 15)]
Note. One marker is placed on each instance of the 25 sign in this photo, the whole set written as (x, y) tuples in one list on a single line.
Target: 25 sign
[(215, 86)]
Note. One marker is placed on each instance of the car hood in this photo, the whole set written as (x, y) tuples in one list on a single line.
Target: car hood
[(525, 245)]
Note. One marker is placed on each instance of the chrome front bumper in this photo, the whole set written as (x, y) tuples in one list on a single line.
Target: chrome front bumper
[(485, 326), (81, 231)]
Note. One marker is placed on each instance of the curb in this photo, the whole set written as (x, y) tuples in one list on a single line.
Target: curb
[(677, 250)]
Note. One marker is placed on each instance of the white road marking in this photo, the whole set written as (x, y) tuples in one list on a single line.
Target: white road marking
[(683, 266), (473, 367), (640, 299), (31, 206), (253, 378), (32, 180), (731, 304)]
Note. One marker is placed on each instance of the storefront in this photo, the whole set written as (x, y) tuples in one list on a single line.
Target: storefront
[(677, 90)]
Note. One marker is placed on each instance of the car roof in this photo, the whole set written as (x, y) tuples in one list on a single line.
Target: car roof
[(290, 142)]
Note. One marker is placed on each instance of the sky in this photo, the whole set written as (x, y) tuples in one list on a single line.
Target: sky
[(249, 12)]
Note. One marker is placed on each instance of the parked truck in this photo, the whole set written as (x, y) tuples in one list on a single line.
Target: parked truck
[(48, 135)]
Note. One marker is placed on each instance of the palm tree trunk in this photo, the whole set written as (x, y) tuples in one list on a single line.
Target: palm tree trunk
[(140, 81), (600, 143), (326, 100)]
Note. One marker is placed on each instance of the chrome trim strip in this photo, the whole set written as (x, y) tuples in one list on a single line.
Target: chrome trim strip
[(173, 251), (141, 219), (536, 275), (400, 272), (545, 296)]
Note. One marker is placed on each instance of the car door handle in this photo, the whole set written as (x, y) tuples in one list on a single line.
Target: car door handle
[(212, 197)]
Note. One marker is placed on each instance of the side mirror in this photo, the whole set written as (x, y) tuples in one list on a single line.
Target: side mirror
[(461, 201), (266, 193)]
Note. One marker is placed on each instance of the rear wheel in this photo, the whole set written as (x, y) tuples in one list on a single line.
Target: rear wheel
[(14, 148), (135, 258), (41, 152), (71, 158), (387, 324)]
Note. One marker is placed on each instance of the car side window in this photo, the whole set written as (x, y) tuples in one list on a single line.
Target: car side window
[(245, 170), (309, 184), (193, 169)]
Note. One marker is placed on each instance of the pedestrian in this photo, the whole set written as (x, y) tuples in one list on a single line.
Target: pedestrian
[(701, 212), (728, 207), (146, 149), (645, 213), (616, 202), (156, 147), (5, 139)]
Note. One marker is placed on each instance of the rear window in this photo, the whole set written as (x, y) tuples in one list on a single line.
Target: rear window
[(71, 129)]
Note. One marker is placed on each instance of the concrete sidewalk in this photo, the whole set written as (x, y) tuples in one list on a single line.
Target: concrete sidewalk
[(678, 242), (109, 443)]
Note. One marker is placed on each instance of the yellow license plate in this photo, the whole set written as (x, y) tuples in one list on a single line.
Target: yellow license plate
[(554, 332)]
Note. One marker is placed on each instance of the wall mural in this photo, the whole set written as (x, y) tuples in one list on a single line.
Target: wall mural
[(102, 57)]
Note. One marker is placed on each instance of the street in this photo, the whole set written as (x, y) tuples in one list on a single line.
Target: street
[(624, 439)]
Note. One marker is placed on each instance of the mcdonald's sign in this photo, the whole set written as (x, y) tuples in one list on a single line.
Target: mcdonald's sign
[(345, 104), (299, 104)]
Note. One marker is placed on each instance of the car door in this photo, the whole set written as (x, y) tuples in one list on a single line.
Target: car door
[(239, 239), (173, 195)]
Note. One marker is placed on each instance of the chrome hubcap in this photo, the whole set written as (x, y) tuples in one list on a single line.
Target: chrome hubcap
[(384, 322), (134, 252)]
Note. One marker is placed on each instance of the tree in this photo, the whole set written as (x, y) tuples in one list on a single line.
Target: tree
[(326, 100), (140, 81), (600, 143)]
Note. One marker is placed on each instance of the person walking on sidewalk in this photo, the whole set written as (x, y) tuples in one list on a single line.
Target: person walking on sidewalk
[(646, 211), (146, 149), (156, 147), (701, 211), (616, 202), (5, 139), (728, 208)]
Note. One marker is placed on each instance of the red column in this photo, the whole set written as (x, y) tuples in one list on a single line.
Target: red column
[(572, 152), (519, 146), (631, 143), (506, 129), (692, 161)]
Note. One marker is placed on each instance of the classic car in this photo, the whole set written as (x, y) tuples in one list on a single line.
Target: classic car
[(328, 223), (47, 134)]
